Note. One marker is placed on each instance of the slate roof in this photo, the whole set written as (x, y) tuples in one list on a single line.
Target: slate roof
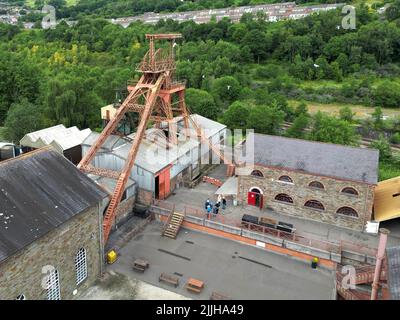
[(326, 159), (39, 191), (393, 262)]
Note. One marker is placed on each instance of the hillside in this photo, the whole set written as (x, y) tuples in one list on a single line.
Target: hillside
[(246, 71)]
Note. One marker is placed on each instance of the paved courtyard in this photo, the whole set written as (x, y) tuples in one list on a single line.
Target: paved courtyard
[(230, 268)]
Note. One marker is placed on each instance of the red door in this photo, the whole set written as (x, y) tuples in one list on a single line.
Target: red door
[(161, 186), (251, 198), (164, 184)]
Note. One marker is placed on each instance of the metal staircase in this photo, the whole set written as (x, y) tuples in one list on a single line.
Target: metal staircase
[(173, 225)]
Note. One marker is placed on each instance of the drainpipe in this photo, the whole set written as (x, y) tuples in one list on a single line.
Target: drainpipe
[(379, 259)]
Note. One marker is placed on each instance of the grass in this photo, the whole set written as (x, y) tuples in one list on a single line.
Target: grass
[(361, 112), (388, 171)]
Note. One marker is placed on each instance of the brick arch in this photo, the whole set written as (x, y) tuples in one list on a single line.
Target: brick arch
[(314, 204), (257, 173), (348, 212), (350, 190), (285, 178), (283, 197), (256, 188), (317, 185)]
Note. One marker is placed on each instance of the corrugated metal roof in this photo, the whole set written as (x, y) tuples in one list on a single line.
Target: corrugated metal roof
[(393, 262), (152, 156), (326, 159), (6, 144), (387, 200), (59, 136), (39, 191)]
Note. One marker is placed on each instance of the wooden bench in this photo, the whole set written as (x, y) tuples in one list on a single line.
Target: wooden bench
[(219, 296), (169, 279), (267, 222), (194, 285), (140, 265)]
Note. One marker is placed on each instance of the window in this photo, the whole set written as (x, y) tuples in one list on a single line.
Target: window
[(285, 179), (347, 211), (257, 173), (350, 190), (284, 198), (80, 266), (53, 285), (316, 184), (314, 204)]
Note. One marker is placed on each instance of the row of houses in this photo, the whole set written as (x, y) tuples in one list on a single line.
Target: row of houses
[(274, 12)]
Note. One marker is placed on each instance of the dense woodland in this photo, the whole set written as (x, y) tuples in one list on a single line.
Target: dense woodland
[(242, 74)]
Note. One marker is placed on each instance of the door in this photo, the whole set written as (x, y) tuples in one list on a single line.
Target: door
[(251, 198), (163, 184)]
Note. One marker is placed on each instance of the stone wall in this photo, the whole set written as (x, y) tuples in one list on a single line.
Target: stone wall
[(22, 273), (144, 197), (331, 197)]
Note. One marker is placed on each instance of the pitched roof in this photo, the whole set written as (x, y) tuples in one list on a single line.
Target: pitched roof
[(39, 191), (59, 136), (393, 263), (152, 156), (326, 159)]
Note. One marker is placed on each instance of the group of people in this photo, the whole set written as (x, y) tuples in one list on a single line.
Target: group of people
[(210, 208)]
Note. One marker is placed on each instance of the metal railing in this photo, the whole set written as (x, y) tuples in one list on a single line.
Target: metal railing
[(236, 222)]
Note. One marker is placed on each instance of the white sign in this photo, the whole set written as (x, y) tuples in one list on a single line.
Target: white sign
[(372, 227)]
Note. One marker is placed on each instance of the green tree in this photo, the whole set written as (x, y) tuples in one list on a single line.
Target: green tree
[(385, 151), (393, 12), (297, 129), (236, 117), (266, 119), (226, 90), (346, 114), (22, 118), (377, 117), (330, 129), (387, 94), (301, 108), (201, 102)]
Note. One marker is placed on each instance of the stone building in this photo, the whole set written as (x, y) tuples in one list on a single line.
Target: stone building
[(50, 228), (318, 181)]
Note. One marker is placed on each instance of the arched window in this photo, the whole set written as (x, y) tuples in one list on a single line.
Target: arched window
[(285, 179), (53, 285), (284, 198), (80, 266), (315, 204), (347, 211), (350, 190), (257, 173), (316, 184)]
